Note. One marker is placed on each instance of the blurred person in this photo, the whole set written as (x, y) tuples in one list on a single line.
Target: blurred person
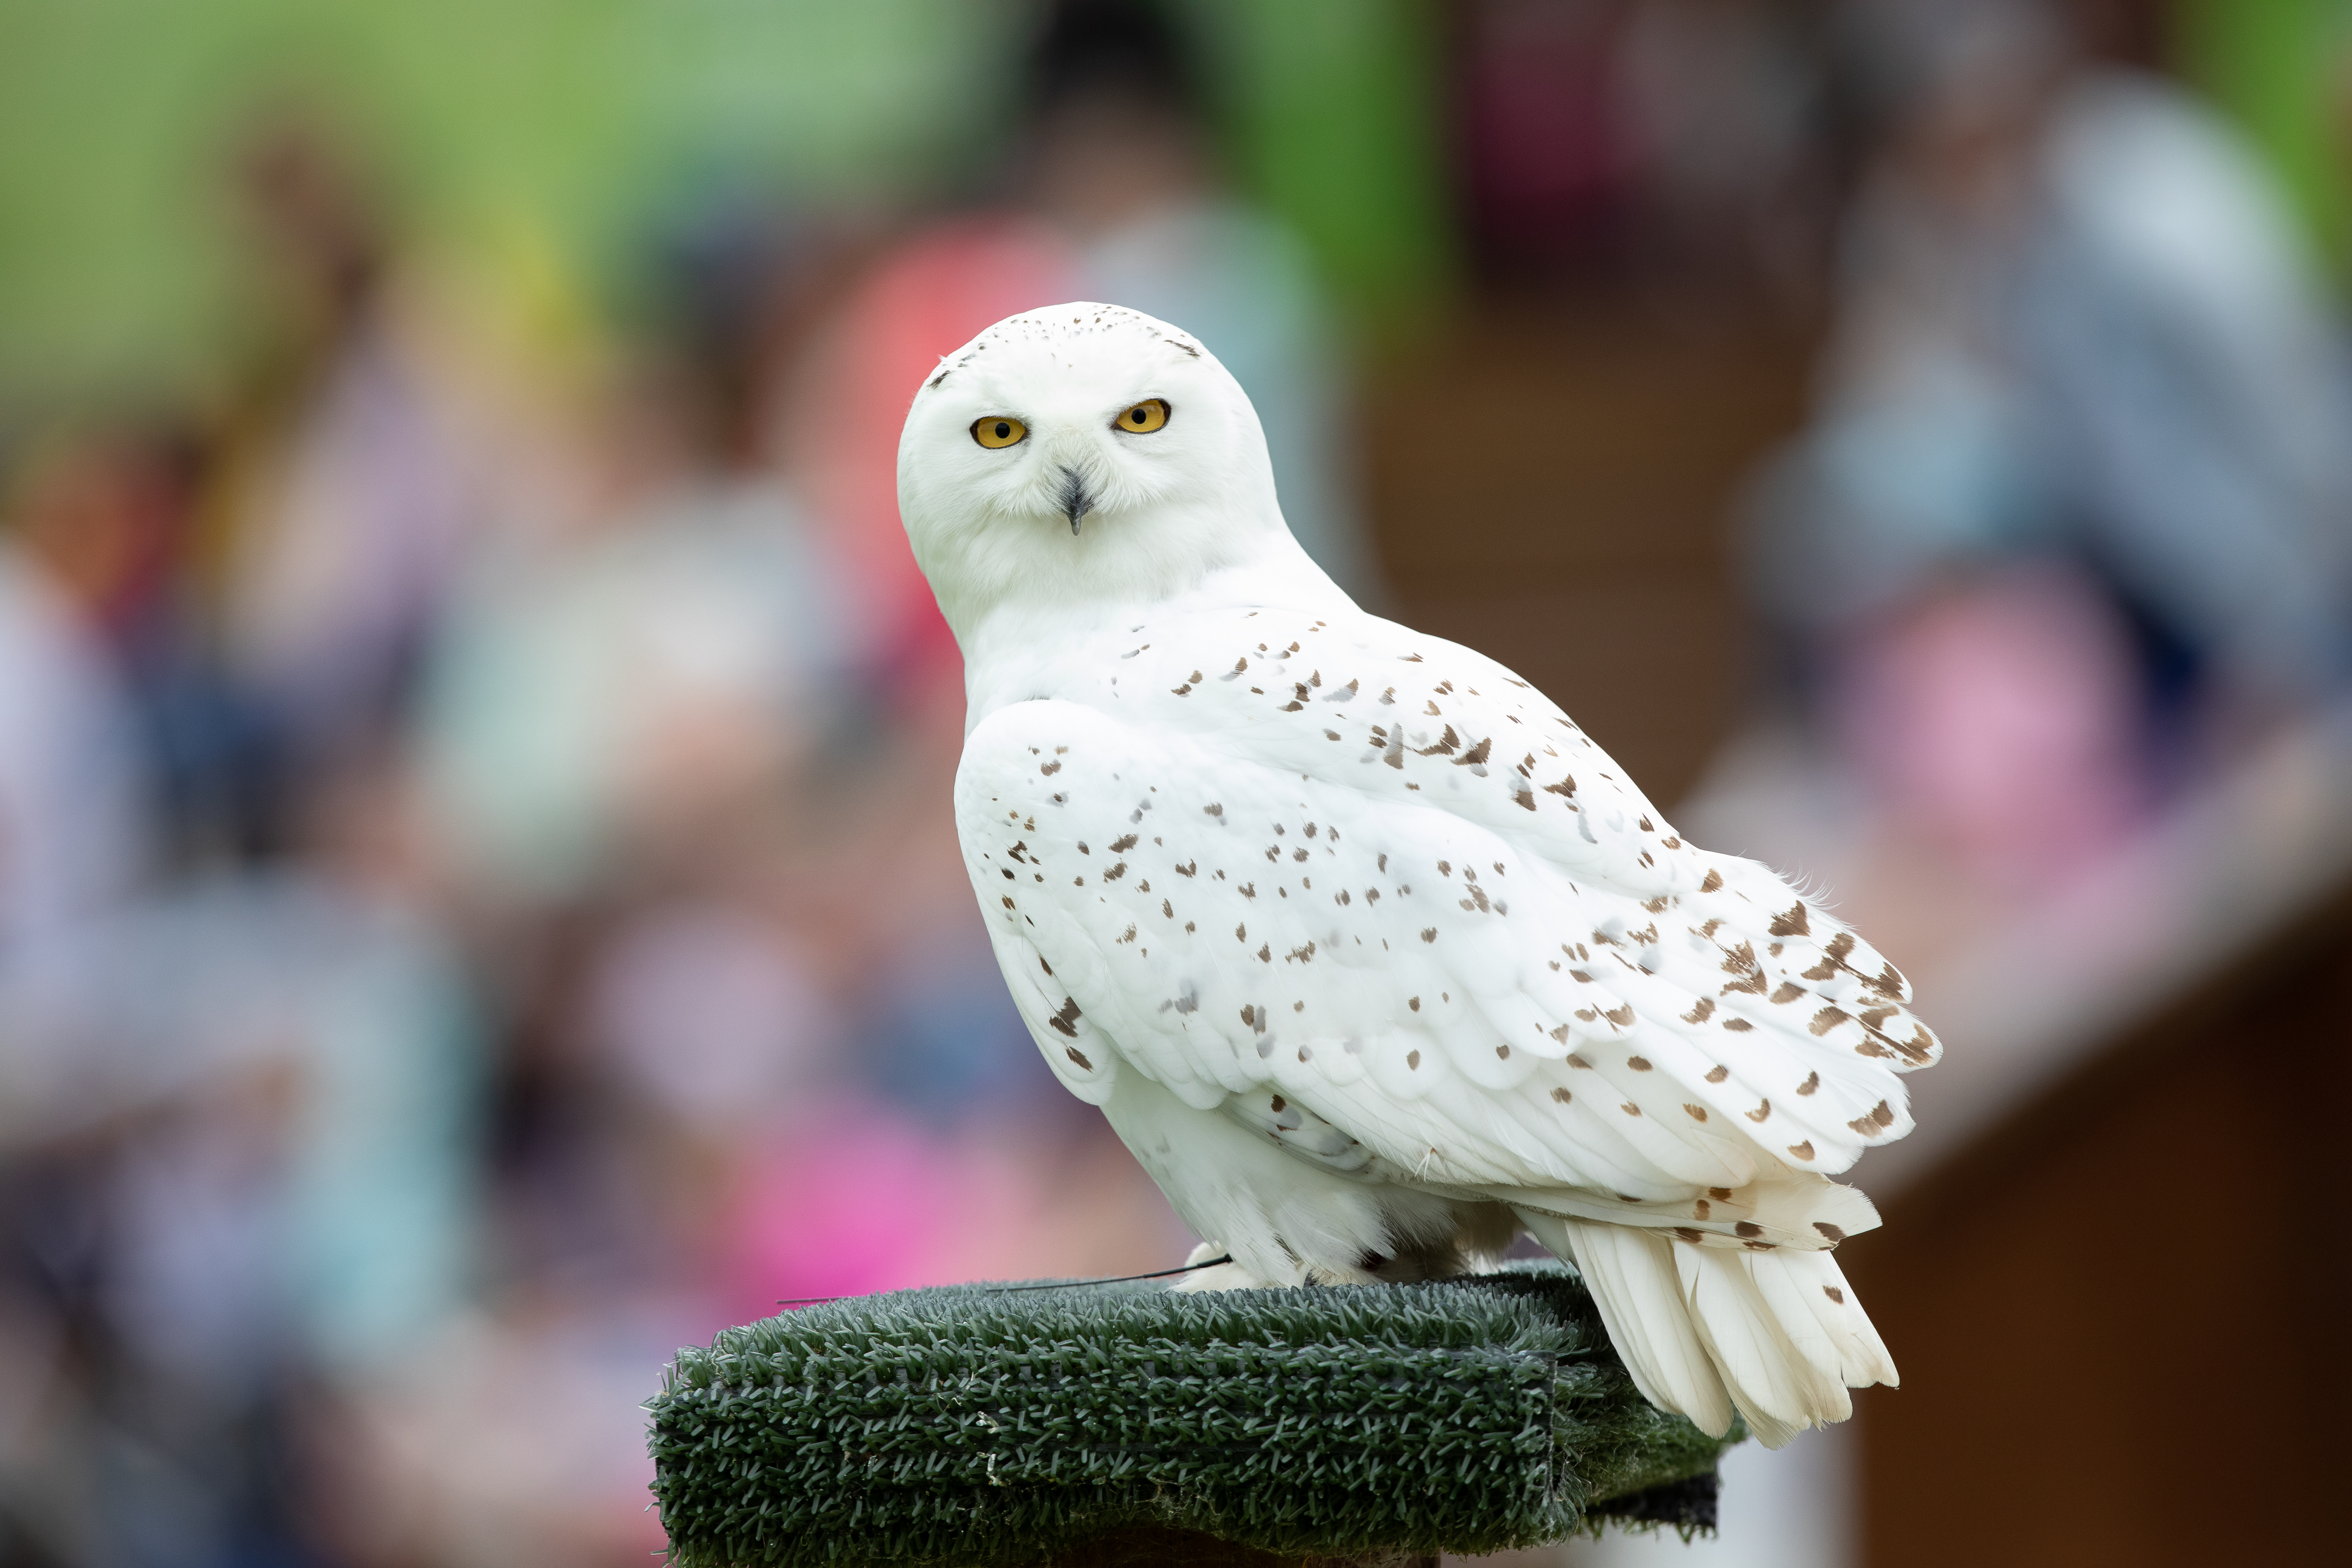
[(646, 681), (1731, 113), (235, 1107), (1548, 157), (73, 825), (2081, 481), (240, 1186), (115, 511), (652, 676), (351, 487)]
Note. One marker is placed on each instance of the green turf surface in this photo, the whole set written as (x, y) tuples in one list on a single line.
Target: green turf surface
[(979, 1426)]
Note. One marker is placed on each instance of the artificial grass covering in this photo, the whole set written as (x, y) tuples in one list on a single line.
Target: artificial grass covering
[(983, 1426)]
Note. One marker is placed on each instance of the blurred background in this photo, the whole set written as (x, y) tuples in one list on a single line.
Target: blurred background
[(479, 905)]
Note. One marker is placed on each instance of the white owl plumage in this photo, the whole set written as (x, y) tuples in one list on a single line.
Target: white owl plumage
[(1369, 953)]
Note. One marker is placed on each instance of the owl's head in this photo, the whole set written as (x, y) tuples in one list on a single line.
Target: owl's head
[(1082, 452)]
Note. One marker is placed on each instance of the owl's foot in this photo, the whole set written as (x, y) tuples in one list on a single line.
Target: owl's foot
[(1222, 1277)]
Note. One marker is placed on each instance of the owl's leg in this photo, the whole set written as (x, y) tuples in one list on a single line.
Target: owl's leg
[(1284, 1220)]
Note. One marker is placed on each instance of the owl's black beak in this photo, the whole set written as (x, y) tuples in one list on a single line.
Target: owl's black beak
[(1075, 502)]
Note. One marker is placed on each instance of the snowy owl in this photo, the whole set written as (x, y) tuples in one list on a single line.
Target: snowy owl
[(1371, 957)]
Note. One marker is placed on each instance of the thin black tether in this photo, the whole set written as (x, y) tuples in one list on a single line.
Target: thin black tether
[(1051, 1285)]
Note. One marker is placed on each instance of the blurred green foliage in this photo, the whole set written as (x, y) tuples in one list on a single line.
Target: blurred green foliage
[(526, 141), (2282, 70), (1335, 108), (516, 133)]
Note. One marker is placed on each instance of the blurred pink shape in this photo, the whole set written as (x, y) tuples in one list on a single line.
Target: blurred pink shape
[(850, 1201), (2000, 717)]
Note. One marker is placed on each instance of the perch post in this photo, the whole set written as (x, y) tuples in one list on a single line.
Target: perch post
[(1104, 1426)]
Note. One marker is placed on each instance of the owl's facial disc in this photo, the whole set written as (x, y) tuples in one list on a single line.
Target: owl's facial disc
[(1107, 421), (1078, 469)]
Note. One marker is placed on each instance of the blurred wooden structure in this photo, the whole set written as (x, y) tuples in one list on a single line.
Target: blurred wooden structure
[(1553, 488), (2120, 1316)]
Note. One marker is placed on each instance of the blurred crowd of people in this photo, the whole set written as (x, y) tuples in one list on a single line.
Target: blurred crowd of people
[(477, 909), (2070, 531), (477, 905)]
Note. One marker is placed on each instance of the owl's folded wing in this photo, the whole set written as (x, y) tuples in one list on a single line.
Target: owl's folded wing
[(1383, 955)]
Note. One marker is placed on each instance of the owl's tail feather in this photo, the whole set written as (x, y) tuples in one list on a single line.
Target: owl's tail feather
[(1778, 1334)]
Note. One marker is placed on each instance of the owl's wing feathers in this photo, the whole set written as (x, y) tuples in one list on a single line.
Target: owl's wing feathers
[(1371, 892)]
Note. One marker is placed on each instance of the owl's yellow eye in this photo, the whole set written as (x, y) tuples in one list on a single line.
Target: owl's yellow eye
[(998, 431), (1143, 418)]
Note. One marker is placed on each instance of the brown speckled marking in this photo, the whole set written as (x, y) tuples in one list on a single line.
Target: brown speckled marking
[(1787, 991), (1697, 1112), (1629, 1108), (1835, 1294), (1747, 1227), (1763, 1110), (1066, 1020), (1880, 1118), (1713, 884), (1813, 1081), (1829, 1019), (1700, 1013), (1738, 1025), (1832, 1232), (1562, 1096), (1412, 1060), (1639, 1064), (1078, 1057), (1717, 1073), (1833, 956), (1803, 1151), (1793, 921)]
